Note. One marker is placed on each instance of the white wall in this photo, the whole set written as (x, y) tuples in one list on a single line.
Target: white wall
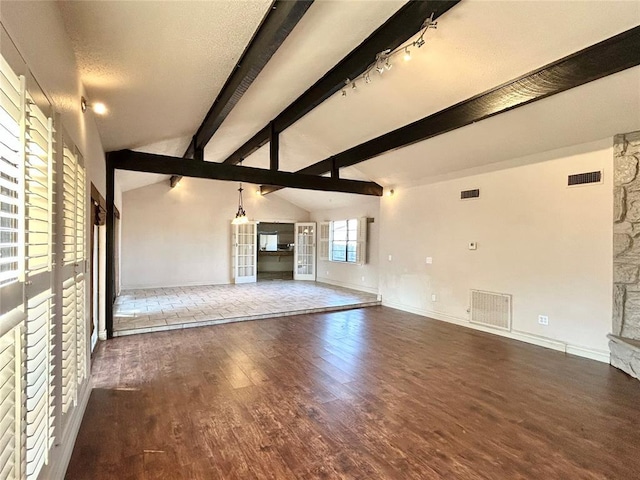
[(182, 236), (544, 243), (359, 277)]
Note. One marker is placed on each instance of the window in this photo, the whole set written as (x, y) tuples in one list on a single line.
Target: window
[(346, 240), (30, 373), (11, 173)]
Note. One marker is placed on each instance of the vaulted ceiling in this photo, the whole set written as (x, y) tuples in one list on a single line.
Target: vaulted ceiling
[(159, 66)]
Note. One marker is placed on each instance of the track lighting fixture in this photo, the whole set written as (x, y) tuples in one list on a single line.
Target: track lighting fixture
[(383, 62)]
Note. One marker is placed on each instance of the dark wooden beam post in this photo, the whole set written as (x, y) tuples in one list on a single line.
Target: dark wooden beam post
[(405, 23), (274, 148), (110, 274), (605, 58), (335, 171)]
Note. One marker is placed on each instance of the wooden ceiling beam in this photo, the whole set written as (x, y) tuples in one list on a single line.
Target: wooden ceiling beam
[(605, 58), (398, 29), (277, 24), (163, 164)]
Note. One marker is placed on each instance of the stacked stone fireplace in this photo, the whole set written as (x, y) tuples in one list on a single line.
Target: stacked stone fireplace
[(624, 341)]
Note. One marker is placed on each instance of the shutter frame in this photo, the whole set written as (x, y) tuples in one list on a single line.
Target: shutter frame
[(361, 248), (324, 239)]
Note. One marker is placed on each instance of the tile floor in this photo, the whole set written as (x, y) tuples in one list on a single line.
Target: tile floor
[(159, 309)]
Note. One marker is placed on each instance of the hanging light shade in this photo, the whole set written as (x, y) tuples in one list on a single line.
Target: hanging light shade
[(241, 216)]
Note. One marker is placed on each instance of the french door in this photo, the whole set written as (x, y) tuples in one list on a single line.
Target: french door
[(304, 267), (245, 252)]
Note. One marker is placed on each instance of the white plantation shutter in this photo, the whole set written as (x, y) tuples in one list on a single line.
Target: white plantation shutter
[(39, 187), (324, 230), (11, 418), (28, 299), (81, 330), (361, 248), (69, 344), (12, 125), (39, 191), (81, 320), (69, 206), (39, 404), (74, 330)]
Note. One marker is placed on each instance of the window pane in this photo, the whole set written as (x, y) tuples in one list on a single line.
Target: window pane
[(340, 230), (351, 251), (352, 228), (339, 251)]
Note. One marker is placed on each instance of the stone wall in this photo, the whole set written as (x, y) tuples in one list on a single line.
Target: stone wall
[(626, 252)]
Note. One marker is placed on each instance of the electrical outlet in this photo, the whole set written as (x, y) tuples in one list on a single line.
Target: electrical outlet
[(473, 245), (543, 320), (429, 260), (389, 257), (433, 297)]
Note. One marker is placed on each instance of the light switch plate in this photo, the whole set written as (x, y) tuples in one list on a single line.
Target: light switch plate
[(429, 260)]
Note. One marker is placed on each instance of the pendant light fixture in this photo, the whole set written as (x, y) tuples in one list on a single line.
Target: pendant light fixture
[(241, 216)]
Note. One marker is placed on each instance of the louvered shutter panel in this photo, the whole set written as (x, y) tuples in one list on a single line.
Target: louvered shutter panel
[(11, 419), (69, 344), (81, 327), (69, 307), (323, 242), (69, 206), (38, 190), (12, 127), (39, 246), (361, 248), (39, 402)]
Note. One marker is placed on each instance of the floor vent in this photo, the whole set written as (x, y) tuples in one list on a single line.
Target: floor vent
[(583, 178), (466, 194), (491, 309)]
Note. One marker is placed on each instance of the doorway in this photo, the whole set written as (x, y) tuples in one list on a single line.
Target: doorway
[(98, 216), (275, 251)]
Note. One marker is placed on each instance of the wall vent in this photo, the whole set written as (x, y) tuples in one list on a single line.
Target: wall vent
[(466, 194), (491, 309), (584, 178)]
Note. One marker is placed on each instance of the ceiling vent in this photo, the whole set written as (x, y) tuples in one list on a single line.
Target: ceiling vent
[(584, 178), (468, 194)]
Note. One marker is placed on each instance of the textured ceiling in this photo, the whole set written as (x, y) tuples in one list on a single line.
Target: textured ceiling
[(478, 45), (157, 65)]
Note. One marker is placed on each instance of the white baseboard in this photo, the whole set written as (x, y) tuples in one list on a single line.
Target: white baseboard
[(61, 453), (352, 286), (188, 284), (603, 356), (586, 352)]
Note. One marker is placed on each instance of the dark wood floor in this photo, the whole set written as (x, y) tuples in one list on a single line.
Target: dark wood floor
[(370, 394)]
